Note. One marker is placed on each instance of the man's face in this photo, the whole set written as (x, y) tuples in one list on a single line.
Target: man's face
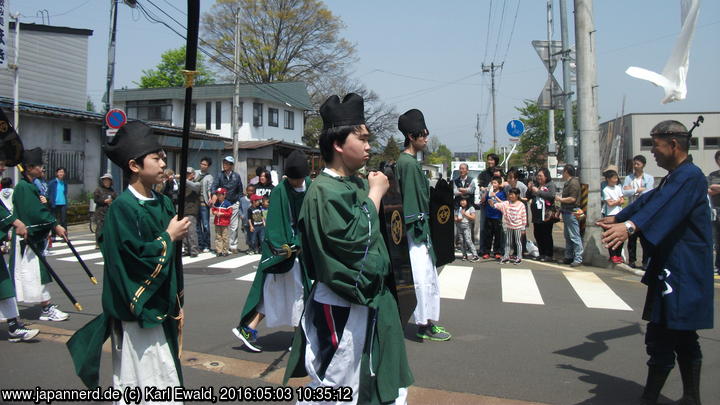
[(512, 180), (638, 165), (490, 163), (204, 166), (495, 185), (355, 152), (60, 174), (566, 175), (227, 166), (250, 190), (153, 170), (663, 150), (463, 170), (191, 176), (420, 142)]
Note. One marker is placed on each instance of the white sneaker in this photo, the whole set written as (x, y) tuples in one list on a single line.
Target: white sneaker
[(53, 314), (22, 334), (206, 250)]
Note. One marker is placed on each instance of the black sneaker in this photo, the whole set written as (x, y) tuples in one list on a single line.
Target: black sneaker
[(249, 337), (22, 334)]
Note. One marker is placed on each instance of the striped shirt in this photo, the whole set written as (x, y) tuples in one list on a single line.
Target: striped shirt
[(514, 215)]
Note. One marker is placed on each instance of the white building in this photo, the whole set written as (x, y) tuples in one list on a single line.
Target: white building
[(267, 110), (629, 135)]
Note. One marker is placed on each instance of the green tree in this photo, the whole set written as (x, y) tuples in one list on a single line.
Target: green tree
[(89, 105), (280, 40), (167, 72), (392, 150), (443, 154), (533, 143)]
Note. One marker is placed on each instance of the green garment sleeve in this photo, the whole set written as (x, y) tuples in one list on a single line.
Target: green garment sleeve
[(137, 264), (342, 242), (35, 215), (416, 198), (6, 220)]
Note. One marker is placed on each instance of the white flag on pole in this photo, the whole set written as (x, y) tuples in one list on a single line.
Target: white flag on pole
[(4, 37), (674, 75)]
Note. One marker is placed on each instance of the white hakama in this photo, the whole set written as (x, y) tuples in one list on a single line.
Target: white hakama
[(28, 287), (425, 277), (142, 358), (284, 294), (8, 309)]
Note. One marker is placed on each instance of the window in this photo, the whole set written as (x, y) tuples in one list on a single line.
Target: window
[(73, 162), (67, 135), (289, 119), (218, 114), (646, 143), (273, 117), (711, 142), (193, 115), (159, 111), (208, 115), (257, 114), (240, 114)]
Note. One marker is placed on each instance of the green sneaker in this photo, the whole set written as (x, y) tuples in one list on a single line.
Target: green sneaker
[(248, 336), (433, 332)]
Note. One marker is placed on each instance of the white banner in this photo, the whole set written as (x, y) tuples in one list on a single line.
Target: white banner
[(4, 33)]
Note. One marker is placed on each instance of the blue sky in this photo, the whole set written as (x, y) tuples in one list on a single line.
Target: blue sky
[(428, 54)]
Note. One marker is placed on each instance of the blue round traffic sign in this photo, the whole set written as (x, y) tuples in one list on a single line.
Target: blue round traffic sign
[(115, 118), (515, 128)]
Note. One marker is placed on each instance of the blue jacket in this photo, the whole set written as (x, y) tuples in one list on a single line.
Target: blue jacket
[(674, 219), (51, 191), (233, 184)]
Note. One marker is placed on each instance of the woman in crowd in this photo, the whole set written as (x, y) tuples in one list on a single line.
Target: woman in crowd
[(541, 194), (104, 195), (264, 186)]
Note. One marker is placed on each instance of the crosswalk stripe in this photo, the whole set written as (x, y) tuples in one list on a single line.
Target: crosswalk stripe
[(85, 258), (59, 252), (594, 293), (519, 286), (74, 242), (453, 281), (199, 258), (236, 262), (248, 277)]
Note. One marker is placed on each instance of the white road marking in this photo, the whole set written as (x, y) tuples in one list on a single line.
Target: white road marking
[(453, 281), (199, 258), (59, 252), (248, 277), (594, 292), (236, 262), (519, 286), (85, 258), (74, 242)]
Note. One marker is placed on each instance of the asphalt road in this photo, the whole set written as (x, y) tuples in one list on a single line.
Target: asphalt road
[(576, 339)]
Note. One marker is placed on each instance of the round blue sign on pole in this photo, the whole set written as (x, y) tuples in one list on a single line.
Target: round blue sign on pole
[(115, 118), (515, 128)]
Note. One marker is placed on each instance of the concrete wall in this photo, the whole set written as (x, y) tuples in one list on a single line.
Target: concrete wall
[(53, 68)]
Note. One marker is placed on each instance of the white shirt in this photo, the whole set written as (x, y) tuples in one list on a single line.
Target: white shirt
[(611, 193)]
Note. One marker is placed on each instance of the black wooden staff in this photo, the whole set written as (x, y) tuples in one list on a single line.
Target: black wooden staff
[(700, 120), (55, 276), (80, 260)]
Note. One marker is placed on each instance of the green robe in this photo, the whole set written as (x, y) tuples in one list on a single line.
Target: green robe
[(140, 282), (344, 249), (7, 284), (415, 190), (280, 229), (37, 218)]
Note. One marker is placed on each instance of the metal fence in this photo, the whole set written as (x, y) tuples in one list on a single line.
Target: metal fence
[(73, 162)]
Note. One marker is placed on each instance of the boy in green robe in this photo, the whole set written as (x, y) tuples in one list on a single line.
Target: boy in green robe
[(350, 333), (281, 281), (31, 276), (415, 190), (17, 331), (142, 290)]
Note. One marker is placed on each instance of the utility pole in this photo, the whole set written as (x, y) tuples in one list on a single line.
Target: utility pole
[(551, 112), (235, 124), (105, 163), (588, 128), (491, 69), (567, 86), (478, 137), (16, 74)]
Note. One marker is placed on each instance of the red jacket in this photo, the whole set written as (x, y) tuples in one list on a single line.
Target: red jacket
[(222, 213)]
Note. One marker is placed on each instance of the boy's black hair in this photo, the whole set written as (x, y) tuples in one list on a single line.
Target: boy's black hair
[(497, 178), (717, 155), (609, 174), (570, 169), (139, 161), (414, 135), (334, 134), (515, 172), (6, 182), (251, 185), (515, 191), (206, 159), (641, 159), (60, 168)]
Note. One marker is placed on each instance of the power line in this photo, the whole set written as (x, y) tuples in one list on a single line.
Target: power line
[(499, 35), (512, 31), (487, 33), (424, 78)]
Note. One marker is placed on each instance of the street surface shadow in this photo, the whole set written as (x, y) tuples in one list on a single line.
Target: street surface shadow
[(411, 333), (596, 346), (609, 389), (275, 342)]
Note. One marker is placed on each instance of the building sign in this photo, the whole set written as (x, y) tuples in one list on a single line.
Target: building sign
[(4, 38)]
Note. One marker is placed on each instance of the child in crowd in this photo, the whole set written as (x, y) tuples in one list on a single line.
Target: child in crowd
[(245, 203), (612, 198), (256, 222), (265, 207), (222, 209), (492, 234), (464, 216), (514, 218)]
